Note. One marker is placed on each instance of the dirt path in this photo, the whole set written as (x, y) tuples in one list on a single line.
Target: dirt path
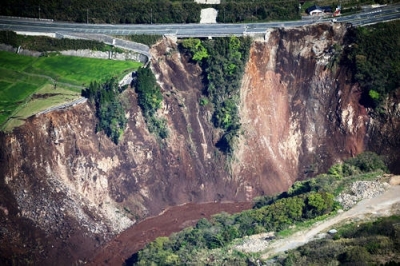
[(378, 206)]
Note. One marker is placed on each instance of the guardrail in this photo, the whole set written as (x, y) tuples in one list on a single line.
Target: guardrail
[(124, 44), (29, 19)]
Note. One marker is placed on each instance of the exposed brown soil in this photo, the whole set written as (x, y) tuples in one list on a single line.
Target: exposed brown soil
[(44, 95), (172, 220)]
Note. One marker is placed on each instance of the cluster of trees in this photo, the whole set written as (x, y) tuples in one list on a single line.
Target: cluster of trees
[(305, 200), (375, 56), (254, 11), (371, 243), (109, 110), (223, 61), (44, 44), (106, 11), (149, 100), (149, 11)]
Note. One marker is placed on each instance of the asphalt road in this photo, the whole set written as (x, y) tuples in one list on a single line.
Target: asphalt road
[(387, 13)]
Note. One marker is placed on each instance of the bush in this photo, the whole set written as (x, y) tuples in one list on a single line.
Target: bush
[(358, 255), (367, 162)]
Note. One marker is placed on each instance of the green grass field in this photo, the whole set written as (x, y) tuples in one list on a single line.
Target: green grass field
[(24, 78), (14, 61), (42, 99), (79, 70)]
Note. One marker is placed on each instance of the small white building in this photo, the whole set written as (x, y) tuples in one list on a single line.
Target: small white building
[(316, 12)]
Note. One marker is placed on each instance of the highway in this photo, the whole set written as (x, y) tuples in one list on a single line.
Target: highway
[(387, 13)]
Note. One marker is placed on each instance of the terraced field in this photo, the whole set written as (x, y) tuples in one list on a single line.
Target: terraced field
[(31, 84)]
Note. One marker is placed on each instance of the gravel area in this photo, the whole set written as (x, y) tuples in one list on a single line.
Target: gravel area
[(256, 243), (361, 190), (208, 15)]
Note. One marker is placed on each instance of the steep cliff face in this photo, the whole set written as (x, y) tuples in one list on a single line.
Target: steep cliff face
[(66, 190), (298, 115)]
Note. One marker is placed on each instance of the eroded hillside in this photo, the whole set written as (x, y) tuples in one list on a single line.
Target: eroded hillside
[(67, 190)]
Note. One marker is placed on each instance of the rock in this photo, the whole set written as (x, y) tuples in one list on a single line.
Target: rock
[(332, 231), (361, 190)]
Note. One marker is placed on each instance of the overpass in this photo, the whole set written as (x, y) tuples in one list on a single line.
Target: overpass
[(386, 13), (100, 31)]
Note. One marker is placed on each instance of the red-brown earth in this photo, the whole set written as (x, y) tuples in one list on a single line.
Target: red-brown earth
[(171, 220)]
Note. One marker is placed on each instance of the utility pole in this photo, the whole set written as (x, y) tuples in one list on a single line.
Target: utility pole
[(39, 12), (87, 15), (224, 14), (151, 15)]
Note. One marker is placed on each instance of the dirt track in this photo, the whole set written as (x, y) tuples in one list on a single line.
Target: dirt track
[(381, 205)]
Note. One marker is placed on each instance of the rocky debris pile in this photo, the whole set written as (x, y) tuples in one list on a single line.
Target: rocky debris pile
[(361, 190), (256, 243)]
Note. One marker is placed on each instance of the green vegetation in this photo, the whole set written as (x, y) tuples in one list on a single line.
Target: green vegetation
[(255, 11), (371, 243), (223, 61), (107, 11), (366, 165), (375, 57), (43, 98), (109, 109), (223, 228), (15, 88), (149, 99), (166, 11), (11, 61), (207, 242), (150, 11), (68, 69), (45, 44), (142, 38), (22, 77), (196, 48), (12, 95)]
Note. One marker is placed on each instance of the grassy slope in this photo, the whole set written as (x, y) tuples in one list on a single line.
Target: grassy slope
[(78, 70), (18, 85)]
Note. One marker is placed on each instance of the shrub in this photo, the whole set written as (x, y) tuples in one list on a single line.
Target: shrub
[(367, 162), (358, 255)]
